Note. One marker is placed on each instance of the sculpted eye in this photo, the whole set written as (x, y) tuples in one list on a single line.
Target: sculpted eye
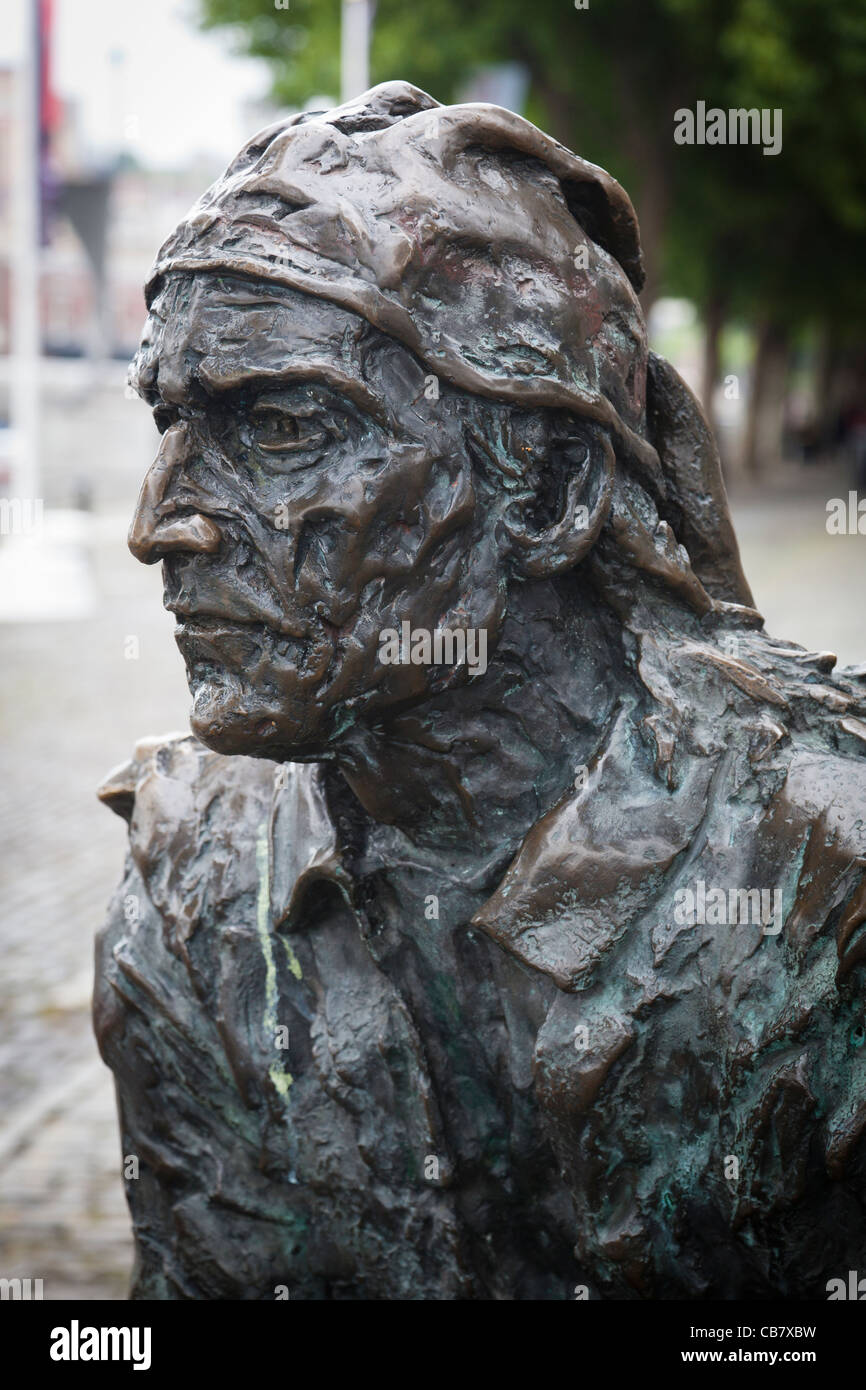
[(276, 431)]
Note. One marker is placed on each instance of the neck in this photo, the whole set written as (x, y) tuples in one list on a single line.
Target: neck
[(471, 770)]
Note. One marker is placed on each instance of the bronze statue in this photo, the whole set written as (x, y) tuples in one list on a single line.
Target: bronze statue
[(500, 931)]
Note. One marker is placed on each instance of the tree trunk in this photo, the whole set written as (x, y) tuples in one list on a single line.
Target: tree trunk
[(652, 207), (715, 311), (649, 148), (829, 389), (762, 442)]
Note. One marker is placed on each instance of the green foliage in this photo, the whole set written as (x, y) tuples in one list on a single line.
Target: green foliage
[(778, 236)]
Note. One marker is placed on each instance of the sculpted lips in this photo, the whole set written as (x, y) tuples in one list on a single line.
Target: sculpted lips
[(192, 622), (213, 646), (210, 642)]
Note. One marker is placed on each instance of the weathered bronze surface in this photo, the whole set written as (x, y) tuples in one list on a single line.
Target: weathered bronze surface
[(432, 980)]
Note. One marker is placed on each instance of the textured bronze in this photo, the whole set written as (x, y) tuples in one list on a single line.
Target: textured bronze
[(428, 981)]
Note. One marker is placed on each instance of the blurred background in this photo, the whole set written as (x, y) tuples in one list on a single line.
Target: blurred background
[(114, 118)]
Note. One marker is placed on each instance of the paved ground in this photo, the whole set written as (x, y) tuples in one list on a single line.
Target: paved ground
[(72, 705), (810, 586)]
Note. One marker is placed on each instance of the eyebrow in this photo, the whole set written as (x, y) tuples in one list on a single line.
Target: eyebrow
[(324, 373)]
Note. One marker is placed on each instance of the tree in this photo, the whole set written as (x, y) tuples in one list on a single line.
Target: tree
[(776, 240), (594, 73)]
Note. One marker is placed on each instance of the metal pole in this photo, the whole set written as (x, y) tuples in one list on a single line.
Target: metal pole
[(355, 48), (25, 262)]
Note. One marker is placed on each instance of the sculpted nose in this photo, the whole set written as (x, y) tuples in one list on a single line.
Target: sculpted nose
[(156, 528)]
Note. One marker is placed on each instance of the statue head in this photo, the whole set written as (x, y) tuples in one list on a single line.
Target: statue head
[(400, 368)]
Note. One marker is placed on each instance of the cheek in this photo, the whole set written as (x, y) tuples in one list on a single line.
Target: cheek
[(381, 522), (421, 510), (436, 571)]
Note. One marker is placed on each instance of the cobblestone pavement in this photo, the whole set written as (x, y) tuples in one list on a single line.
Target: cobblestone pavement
[(72, 705), (63, 1216)]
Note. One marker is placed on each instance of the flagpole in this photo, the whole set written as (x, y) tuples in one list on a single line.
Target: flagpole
[(355, 29), (25, 342)]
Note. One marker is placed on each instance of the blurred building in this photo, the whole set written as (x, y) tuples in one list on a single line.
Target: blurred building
[(101, 229)]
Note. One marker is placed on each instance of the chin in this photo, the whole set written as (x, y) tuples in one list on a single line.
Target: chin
[(246, 704), (230, 717)]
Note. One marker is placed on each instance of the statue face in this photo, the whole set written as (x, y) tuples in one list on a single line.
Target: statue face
[(310, 492)]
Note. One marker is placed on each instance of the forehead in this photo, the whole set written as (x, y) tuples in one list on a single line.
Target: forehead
[(219, 333)]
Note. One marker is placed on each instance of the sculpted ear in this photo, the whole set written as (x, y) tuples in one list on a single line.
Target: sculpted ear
[(556, 523)]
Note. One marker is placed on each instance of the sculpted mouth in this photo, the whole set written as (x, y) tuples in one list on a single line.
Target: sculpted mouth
[(218, 649), (199, 622), (209, 644), (210, 623)]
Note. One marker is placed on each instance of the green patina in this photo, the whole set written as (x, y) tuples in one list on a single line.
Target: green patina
[(280, 1079), (294, 963)]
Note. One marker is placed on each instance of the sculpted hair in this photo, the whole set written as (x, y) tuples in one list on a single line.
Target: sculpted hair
[(699, 657)]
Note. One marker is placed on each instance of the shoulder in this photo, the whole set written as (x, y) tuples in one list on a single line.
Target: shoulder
[(170, 772), (205, 827), (823, 798), (194, 820)]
